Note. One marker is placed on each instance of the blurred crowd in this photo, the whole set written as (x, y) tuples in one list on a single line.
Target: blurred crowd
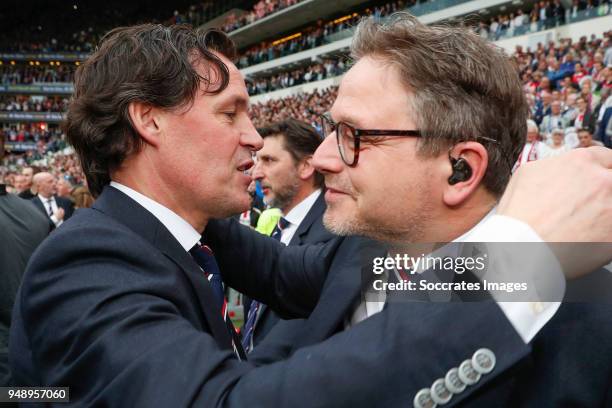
[(260, 10), (568, 85), (31, 132), (63, 165), (302, 106), (327, 68), (23, 103), (313, 36), (543, 15), (28, 74)]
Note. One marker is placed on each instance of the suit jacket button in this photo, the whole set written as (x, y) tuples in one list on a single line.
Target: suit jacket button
[(439, 393), (467, 374), (483, 361), (453, 382), (422, 399)]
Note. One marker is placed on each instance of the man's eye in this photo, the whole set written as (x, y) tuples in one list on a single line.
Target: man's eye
[(230, 115)]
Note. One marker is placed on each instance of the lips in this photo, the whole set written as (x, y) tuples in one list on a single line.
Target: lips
[(334, 190), (332, 195), (245, 165)]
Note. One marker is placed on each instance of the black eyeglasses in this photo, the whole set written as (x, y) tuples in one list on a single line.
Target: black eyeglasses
[(349, 138)]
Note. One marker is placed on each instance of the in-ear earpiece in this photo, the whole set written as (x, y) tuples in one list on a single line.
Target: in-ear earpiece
[(461, 170)]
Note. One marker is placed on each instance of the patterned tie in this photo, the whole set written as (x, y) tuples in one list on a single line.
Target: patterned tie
[(204, 257), (249, 326), (50, 209), (277, 232)]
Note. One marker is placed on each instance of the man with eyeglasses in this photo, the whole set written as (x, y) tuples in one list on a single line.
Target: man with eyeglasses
[(420, 151)]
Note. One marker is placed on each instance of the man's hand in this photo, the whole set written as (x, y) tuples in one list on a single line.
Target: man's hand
[(567, 198), (59, 214)]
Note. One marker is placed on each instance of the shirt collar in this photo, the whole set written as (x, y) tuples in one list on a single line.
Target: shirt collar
[(298, 213), (466, 236), (180, 229), (46, 200)]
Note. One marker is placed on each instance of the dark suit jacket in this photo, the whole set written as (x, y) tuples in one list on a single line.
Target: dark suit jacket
[(22, 229), (551, 371), (62, 202), (310, 231), (114, 308), (27, 194)]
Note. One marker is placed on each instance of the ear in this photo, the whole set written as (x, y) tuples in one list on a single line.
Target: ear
[(477, 158), (305, 168), (145, 119)]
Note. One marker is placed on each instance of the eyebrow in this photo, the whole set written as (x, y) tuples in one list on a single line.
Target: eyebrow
[(348, 119), (235, 99)]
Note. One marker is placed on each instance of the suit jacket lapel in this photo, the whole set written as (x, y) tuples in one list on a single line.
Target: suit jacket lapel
[(127, 211), (315, 212), (40, 205)]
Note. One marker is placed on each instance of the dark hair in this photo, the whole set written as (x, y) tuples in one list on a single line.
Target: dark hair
[(465, 88), (299, 139), (147, 63)]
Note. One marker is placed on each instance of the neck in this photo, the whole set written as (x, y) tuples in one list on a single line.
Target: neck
[(452, 222), (146, 180), (304, 191), (461, 222)]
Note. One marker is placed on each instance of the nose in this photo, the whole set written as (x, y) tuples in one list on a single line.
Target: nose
[(326, 158), (250, 138), (257, 172)]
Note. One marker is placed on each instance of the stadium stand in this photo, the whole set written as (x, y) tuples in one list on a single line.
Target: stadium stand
[(295, 72)]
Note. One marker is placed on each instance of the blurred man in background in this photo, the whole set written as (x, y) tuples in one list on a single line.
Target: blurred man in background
[(534, 148), (57, 209), (586, 139), (28, 191), (64, 188), (291, 183), (19, 183)]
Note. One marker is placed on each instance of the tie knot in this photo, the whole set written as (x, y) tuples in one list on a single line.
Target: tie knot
[(197, 248), (204, 257), (283, 223)]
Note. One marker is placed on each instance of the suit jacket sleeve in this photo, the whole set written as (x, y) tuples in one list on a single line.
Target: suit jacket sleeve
[(287, 279)]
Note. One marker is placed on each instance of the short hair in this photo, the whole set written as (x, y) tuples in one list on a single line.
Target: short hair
[(147, 63), (465, 88), (557, 131), (531, 124), (299, 139)]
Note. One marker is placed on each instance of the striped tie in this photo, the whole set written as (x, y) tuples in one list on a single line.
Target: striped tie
[(249, 326), (204, 257), (277, 232)]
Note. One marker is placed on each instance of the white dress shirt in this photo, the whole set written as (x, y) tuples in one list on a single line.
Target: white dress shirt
[(180, 229), (54, 208), (296, 215), (527, 318)]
